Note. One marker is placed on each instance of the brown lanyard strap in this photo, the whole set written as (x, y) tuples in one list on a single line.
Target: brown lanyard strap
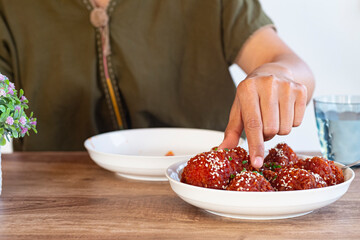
[(100, 19)]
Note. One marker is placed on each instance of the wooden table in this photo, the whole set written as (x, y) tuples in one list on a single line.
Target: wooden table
[(64, 195)]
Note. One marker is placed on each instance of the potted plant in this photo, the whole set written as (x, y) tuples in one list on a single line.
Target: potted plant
[(14, 122)]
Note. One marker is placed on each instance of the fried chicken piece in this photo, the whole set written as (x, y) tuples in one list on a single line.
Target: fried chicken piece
[(213, 169), (250, 181)]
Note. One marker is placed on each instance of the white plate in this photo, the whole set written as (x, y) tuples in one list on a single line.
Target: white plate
[(256, 205), (140, 153)]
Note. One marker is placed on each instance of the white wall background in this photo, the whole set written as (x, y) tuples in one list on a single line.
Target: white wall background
[(326, 34)]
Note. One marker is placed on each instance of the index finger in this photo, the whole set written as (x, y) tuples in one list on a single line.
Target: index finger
[(251, 116)]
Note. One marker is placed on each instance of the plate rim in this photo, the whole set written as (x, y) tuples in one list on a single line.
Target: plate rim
[(88, 141)]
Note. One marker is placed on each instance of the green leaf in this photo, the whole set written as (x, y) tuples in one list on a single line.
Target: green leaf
[(7, 137), (14, 133), (3, 116), (2, 141)]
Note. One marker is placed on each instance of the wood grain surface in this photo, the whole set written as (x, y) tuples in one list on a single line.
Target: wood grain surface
[(65, 195)]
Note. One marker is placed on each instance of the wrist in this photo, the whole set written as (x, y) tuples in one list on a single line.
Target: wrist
[(273, 69)]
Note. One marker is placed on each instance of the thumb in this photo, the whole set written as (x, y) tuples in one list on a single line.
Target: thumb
[(234, 128), (231, 138)]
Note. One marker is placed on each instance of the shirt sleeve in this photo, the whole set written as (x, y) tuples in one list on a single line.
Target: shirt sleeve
[(240, 19), (6, 47)]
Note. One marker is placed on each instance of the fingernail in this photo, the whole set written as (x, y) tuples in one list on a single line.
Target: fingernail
[(258, 162)]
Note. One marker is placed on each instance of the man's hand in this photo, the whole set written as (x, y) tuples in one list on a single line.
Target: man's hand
[(268, 102), (273, 97)]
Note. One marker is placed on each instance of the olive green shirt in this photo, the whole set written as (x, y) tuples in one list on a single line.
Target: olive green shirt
[(168, 64)]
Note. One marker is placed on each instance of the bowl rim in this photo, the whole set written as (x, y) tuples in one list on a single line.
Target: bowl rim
[(227, 192), (337, 99)]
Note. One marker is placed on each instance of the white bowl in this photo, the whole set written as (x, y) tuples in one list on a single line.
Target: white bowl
[(140, 153), (256, 205)]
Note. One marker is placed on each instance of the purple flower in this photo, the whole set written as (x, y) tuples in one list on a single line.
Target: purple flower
[(9, 120), (33, 123), (23, 130), (11, 85), (11, 91), (22, 120), (2, 77), (17, 107), (23, 98), (2, 93)]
